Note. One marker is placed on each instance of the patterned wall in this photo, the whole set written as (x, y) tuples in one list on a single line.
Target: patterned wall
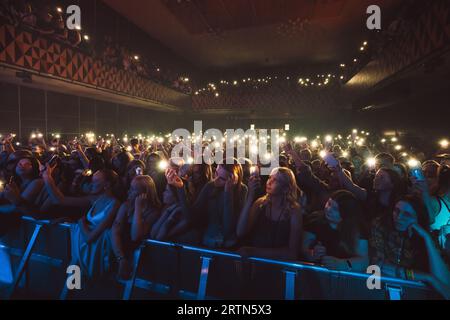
[(426, 34), (28, 50)]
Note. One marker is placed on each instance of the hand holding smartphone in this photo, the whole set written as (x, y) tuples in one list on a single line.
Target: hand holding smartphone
[(330, 160)]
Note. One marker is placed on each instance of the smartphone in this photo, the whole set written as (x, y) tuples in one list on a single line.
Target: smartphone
[(254, 171), (53, 160), (330, 160), (418, 174), (87, 173), (139, 171)]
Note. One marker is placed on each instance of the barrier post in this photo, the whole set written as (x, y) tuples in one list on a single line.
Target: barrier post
[(24, 260), (128, 291), (203, 281), (289, 291), (394, 293)]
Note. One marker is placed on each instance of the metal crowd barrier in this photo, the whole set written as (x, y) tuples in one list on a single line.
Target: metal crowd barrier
[(40, 254)]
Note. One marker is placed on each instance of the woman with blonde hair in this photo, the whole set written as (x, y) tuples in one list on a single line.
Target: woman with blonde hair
[(134, 221), (271, 226)]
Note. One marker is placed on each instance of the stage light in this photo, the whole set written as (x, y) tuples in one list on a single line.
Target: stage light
[(342, 65), (86, 37), (235, 82), (361, 49), (216, 94), (355, 60), (136, 57), (59, 9), (365, 43)]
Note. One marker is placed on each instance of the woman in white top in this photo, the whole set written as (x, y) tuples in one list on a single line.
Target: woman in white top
[(90, 241)]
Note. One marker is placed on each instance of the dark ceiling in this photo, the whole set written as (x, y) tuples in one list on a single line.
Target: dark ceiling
[(229, 34)]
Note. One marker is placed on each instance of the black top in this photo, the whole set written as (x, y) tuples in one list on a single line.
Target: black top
[(269, 233), (317, 224)]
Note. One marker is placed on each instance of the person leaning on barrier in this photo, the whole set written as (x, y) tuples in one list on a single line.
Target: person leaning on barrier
[(335, 237), (403, 248), (134, 221), (91, 245), (271, 226)]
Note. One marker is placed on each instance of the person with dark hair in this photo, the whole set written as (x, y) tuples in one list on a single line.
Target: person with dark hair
[(384, 160), (152, 169), (120, 162), (91, 245), (271, 226), (401, 246), (335, 237), (134, 221), (23, 187), (387, 186), (218, 205)]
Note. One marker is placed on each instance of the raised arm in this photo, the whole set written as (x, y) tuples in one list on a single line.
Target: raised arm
[(348, 184), (58, 197)]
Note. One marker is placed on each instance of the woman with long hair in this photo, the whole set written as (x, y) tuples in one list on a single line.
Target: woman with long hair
[(401, 245), (271, 226), (334, 236), (134, 221)]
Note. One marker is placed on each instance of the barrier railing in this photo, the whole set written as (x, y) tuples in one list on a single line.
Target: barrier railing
[(181, 271)]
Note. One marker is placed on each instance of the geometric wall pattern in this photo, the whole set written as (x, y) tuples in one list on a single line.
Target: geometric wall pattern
[(28, 49)]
